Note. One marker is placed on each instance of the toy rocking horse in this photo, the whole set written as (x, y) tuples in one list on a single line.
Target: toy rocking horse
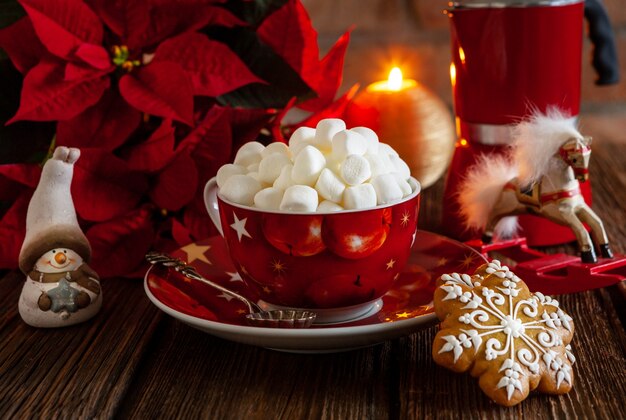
[(539, 176)]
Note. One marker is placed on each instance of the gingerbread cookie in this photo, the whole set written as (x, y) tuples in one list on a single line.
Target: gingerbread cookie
[(514, 341)]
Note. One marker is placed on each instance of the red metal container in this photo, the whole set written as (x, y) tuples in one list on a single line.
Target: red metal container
[(510, 58)]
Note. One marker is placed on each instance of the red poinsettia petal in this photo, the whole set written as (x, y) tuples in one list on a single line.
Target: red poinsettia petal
[(94, 55), (332, 69), (277, 128), (210, 144), (161, 89), (247, 123), (107, 124), (21, 44), (291, 35), (197, 220), (176, 184), (119, 245), (156, 152), (13, 230), (46, 95), (180, 233), (211, 66), (147, 23), (27, 174), (63, 25), (334, 110), (104, 187)]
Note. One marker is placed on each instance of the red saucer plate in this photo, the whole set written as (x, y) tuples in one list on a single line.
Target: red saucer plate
[(406, 308)]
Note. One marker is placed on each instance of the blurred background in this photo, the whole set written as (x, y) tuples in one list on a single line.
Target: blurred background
[(414, 35)]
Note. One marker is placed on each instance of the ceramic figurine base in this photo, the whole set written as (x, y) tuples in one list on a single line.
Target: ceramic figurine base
[(557, 273), (62, 317)]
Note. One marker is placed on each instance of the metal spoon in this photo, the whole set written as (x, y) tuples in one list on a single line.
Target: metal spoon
[(257, 316)]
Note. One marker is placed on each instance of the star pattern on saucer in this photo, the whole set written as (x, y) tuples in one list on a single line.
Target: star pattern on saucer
[(468, 261), (225, 296), (234, 276), (240, 227), (442, 261), (390, 264), (196, 252)]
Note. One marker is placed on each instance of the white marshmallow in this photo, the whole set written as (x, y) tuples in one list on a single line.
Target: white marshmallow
[(403, 184), (348, 143), (240, 189), (276, 147), (302, 137), (302, 134), (307, 166), (328, 207), (253, 168), (284, 180), (370, 137), (333, 163), (329, 186), (355, 170), (268, 198), (298, 147), (255, 175), (387, 189), (270, 167), (226, 171), (299, 198), (359, 197), (326, 130), (385, 149), (400, 166), (249, 154), (380, 164)]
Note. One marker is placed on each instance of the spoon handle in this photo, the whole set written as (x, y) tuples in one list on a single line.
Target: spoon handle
[(191, 273)]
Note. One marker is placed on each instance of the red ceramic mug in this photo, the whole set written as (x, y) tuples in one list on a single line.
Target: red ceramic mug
[(338, 264)]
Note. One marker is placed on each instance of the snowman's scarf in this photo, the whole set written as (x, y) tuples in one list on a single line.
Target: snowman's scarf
[(83, 275)]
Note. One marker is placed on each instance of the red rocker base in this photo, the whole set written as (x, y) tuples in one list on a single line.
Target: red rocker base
[(557, 273)]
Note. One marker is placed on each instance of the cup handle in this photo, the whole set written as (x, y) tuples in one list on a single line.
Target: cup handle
[(210, 201)]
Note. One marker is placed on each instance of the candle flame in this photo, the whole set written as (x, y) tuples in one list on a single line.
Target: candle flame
[(395, 79)]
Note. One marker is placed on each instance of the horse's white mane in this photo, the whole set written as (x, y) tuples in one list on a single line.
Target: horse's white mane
[(537, 139)]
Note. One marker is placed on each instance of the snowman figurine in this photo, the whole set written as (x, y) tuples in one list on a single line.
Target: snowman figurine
[(60, 289)]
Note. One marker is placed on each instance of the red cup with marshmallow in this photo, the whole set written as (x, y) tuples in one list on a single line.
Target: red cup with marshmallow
[(324, 223)]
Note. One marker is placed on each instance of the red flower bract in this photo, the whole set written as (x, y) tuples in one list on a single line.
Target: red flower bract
[(142, 88)]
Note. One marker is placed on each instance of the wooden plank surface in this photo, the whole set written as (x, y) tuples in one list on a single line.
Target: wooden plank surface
[(131, 361)]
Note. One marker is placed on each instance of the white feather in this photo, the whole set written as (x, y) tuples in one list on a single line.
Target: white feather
[(507, 227), (537, 140), (481, 188)]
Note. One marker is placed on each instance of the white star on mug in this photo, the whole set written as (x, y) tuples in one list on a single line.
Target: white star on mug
[(240, 227)]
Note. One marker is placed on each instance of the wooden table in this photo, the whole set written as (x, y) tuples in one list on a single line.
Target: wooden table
[(134, 361)]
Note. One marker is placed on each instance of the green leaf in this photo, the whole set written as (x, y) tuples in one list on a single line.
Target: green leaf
[(10, 11), (253, 12), (283, 82)]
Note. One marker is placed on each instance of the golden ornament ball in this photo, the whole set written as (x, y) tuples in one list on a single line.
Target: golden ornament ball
[(412, 120)]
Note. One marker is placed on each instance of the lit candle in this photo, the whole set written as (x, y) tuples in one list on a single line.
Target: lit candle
[(411, 119)]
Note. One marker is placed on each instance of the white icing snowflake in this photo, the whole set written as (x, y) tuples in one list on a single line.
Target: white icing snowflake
[(485, 311)]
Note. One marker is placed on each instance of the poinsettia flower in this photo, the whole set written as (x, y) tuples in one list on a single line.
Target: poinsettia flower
[(73, 54), (119, 245), (291, 35), (134, 84)]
